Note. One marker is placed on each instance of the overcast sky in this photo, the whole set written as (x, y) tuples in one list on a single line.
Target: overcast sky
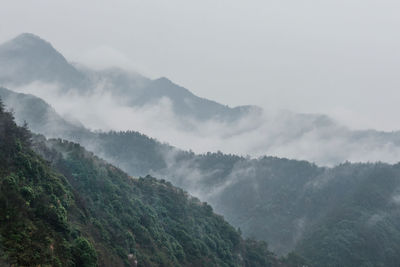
[(339, 57)]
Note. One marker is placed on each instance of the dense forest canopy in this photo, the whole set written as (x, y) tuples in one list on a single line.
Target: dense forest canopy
[(63, 206)]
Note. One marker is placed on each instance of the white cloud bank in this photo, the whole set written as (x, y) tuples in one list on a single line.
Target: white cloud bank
[(308, 137)]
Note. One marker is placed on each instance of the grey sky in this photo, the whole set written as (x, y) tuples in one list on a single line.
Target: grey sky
[(338, 57)]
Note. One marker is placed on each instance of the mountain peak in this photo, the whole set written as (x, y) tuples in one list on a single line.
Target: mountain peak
[(28, 45), (28, 58), (28, 36), (27, 41)]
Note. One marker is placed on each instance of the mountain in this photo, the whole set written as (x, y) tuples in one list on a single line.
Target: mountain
[(115, 99), (63, 206), (340, 216), (184, 102), (320, 213), (28, 58), (41, 116)]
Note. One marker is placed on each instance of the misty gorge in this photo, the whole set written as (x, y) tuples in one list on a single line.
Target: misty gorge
[(199, 134)]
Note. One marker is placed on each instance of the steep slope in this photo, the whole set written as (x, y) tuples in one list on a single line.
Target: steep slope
[(34, 226), (81, 211), (42, 118), (27, 58)]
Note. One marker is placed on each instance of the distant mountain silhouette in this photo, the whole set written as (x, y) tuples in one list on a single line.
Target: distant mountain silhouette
[(28, 58)]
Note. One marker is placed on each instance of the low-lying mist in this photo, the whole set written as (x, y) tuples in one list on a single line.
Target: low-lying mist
[(314, 138)]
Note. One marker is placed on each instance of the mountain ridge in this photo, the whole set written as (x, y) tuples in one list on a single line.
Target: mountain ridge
[(27, 58)]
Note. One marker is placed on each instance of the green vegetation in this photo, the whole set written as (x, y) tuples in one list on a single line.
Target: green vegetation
[(362, 229), (73, 209), (34, 225), (342, 216)]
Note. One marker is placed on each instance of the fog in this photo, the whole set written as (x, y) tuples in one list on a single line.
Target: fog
[(339, 58), (314, 138)]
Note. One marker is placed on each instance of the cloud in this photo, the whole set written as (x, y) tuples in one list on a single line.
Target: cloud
[(308, 137), (270, 53)]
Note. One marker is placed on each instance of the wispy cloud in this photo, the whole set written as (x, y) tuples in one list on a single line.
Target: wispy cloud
[(308, 137)]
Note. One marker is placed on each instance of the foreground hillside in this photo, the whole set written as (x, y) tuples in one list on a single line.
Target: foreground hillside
[(74, 209), (342, 216)]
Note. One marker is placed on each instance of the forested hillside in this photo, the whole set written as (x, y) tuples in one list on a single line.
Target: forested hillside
[(73, 209), (293, 205)]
